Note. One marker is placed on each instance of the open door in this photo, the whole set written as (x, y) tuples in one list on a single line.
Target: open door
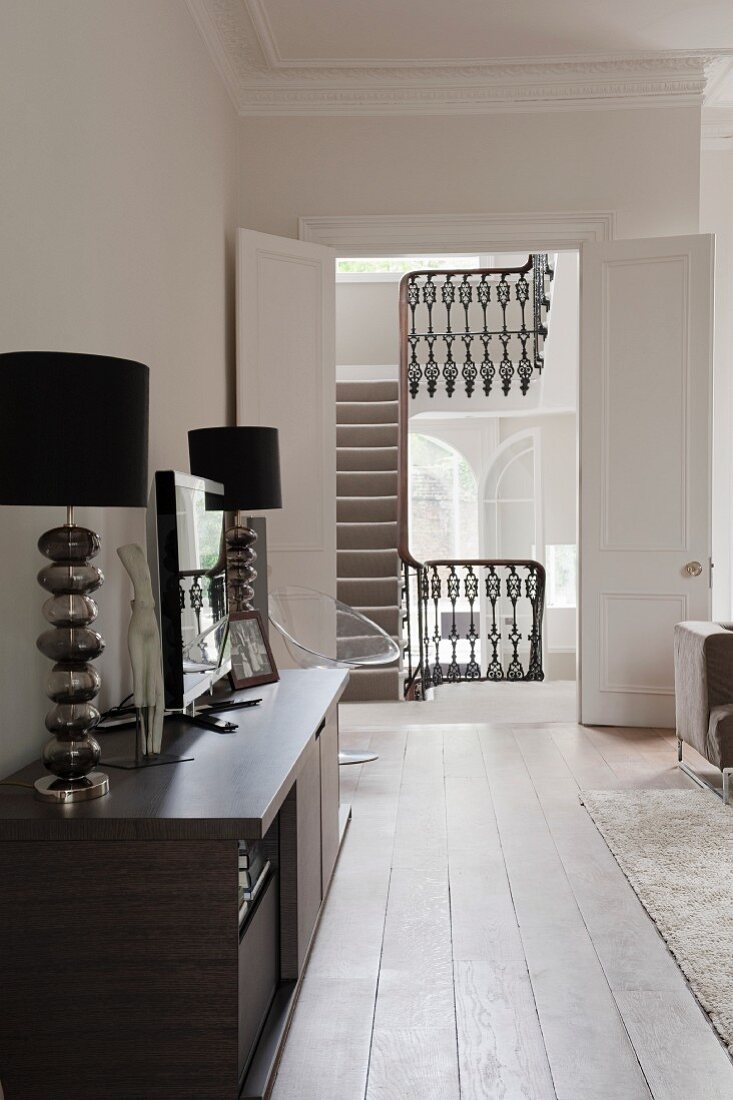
[(645, 480), (286, 378)]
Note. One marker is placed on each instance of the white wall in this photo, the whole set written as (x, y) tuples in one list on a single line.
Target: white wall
[(642, 164), (118, 178), (367, 324), (716, 216)]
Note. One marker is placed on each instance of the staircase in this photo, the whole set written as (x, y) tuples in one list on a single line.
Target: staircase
[(368, 566)]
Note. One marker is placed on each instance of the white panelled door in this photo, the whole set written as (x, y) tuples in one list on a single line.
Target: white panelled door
[(286, 379), (645, 439)]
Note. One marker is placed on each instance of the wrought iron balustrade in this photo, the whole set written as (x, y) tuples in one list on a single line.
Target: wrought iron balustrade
[(469, 620), (473, 620), (211, 593), (475, 324)]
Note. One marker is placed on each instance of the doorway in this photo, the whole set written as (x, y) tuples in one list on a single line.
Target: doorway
[(476, 479), (644, 428)]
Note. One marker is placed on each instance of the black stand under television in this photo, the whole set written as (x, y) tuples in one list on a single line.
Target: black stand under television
[(123, 972)]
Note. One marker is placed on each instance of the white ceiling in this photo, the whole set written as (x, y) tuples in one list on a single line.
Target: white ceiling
[(438, 56), (347, 32)]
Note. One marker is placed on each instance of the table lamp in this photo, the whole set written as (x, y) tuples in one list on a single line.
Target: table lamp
[(73, 432), (246, 460)]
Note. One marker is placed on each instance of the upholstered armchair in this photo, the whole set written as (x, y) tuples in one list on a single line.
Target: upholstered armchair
[(703, 682)]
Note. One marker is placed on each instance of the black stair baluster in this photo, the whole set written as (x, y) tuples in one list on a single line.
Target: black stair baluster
[(453, 589), (435, 591), (514, 591), (495, 670), (473, 669)]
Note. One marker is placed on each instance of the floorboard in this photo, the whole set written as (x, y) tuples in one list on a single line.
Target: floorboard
[(681, 1055), (414, 1064), (630, 950), (416, 969), (590, 1055), (500, 1047), (500, 1044), (479, 941)]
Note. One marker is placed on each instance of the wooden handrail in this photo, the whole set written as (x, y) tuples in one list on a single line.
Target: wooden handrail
[(509, 563)]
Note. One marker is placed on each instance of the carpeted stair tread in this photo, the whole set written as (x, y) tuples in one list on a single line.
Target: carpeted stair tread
[(366, 435), (347, 647), (386, 617), (366, 458), (366, 510), (366, 483), (366, 536), (367, 391), (366, 563), (373, 685), (368, 591), (366, 412)]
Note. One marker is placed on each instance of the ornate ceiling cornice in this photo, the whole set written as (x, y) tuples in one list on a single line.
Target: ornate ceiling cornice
[(261, 83)]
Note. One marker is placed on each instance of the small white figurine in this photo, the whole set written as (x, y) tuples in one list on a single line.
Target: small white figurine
[(143, 642)]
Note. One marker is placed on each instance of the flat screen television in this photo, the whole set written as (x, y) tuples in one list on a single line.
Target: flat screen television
[(185, 530)]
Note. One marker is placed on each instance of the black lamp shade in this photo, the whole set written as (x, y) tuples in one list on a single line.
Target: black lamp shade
[(246, 460), (73, 430)]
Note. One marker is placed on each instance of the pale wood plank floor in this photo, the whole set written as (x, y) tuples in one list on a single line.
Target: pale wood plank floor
[(479, 941)]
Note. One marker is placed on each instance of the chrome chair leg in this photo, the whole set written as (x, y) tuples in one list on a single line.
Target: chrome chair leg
[(727, 772)]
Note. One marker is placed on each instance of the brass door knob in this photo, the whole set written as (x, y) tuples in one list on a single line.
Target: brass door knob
[(693, 569)]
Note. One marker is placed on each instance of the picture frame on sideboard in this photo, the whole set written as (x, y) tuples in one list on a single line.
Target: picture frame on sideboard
[(252, 662)]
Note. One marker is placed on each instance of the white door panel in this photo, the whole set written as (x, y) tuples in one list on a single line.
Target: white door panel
[(286, 378), (645, 391)]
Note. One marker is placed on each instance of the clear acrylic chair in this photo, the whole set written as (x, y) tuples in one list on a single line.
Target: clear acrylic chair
[(321, 632)]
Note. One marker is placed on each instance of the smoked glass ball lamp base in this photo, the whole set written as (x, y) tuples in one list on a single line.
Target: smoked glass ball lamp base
[(241, 573), (72, 755)]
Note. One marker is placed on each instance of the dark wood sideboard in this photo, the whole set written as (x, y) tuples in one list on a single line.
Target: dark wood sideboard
[(123, 973)]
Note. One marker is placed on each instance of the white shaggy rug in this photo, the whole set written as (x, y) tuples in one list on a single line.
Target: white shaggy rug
[(676, 849)]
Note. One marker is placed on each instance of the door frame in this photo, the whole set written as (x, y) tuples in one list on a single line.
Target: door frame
[(387, 234), (383, 234)]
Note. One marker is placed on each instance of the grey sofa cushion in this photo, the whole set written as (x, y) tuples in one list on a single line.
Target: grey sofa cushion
[(703, 672)]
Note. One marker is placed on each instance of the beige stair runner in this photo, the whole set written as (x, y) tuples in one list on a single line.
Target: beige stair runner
[(368, 566)]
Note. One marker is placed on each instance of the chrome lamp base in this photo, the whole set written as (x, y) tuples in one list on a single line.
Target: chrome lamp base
[(52, 789)]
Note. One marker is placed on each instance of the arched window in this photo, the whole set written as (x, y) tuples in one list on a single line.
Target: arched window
[(511, 511), (443, 501)]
